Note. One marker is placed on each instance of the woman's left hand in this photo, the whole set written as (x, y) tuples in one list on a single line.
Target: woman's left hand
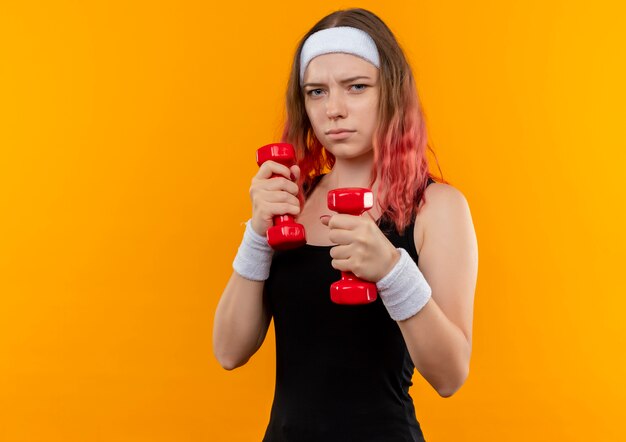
[(361, 246)]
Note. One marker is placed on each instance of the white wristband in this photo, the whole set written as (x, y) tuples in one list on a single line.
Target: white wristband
[(404, 290), (254, 256)]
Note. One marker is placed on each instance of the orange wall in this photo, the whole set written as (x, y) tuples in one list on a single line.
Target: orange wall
[(127, 137)]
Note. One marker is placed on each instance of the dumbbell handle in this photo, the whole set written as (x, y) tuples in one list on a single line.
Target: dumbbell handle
[(285, 234), (350, 289)]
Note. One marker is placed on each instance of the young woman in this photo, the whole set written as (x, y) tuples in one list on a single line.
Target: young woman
[(344, 372)]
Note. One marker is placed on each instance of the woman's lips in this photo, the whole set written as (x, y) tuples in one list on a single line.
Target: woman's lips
[(340, 135)]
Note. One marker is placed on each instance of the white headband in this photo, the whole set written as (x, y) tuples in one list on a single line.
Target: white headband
[(344, 39)]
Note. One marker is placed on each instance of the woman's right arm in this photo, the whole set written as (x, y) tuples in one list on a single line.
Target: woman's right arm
[(241, 322), (242, 317)]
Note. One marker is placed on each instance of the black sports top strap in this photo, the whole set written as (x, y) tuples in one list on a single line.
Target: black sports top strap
[(314, 182)]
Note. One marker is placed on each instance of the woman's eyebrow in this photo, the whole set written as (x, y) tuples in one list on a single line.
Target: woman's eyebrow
[(347, 80)]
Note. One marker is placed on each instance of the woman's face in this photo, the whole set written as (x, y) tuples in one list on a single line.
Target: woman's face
[(341, 92)]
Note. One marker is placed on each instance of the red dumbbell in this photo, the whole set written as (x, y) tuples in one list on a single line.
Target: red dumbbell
[(350, 289), (285, 234)]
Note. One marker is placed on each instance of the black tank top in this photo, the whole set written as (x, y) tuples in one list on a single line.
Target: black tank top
[(342, 372)]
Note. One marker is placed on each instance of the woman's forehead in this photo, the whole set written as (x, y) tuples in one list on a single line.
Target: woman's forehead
[(339, 65)]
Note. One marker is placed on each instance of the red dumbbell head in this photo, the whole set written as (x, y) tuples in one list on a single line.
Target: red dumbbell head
[(282, 153), (350, 290), (350, 200)]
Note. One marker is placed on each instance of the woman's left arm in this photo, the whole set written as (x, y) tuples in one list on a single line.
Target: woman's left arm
[(439, 336)]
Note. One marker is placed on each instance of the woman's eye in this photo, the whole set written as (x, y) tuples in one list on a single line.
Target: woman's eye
[(313, 93), (360, 87)]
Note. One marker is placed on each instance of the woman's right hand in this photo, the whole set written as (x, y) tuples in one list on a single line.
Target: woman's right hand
[(273, 196)]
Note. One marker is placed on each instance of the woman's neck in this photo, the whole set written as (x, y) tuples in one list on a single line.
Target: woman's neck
[(355, 172)]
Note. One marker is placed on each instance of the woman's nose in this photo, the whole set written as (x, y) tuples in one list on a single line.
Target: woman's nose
[(335, 106)]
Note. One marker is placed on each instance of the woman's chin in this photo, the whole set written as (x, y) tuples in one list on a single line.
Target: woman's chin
[(349, 152)]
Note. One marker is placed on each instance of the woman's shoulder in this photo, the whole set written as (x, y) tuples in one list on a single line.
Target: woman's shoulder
[(441, 204), (437, 194)]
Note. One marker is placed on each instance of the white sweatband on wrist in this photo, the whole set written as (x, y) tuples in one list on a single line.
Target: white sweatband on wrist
[(254, 257), (404, 290), (344, 39)]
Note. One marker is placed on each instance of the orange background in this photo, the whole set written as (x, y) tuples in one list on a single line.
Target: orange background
[(127, 137)]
